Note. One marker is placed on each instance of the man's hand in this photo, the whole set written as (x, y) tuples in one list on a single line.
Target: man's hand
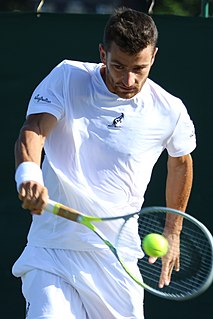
[(170, 261), (34, 197)]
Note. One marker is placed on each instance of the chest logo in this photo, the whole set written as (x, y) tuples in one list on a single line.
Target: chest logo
[(117, 122)]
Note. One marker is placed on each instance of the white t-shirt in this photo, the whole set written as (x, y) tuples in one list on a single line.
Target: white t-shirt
[(100, 156)]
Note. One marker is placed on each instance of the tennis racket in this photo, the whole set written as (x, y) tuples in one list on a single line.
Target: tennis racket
[(196, 249)]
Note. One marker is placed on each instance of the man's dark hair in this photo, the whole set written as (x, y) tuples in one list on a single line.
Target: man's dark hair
[(131, 30)]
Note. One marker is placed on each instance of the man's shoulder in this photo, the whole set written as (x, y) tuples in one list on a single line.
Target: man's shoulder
[(160, 91), (77, 66), (163, 97)]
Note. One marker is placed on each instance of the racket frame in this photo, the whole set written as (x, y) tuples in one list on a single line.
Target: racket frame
[(86, 220)]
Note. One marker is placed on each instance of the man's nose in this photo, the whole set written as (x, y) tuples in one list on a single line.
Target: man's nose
[(129, 79)]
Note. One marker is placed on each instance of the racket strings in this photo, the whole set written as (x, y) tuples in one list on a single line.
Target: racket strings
[(195, 256), (128, 243)]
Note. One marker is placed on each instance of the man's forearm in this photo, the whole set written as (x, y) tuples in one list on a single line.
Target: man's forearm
[(178, 189), (28, 148)]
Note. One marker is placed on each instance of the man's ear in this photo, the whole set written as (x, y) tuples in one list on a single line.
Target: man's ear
[(154, 54), (102, 53)]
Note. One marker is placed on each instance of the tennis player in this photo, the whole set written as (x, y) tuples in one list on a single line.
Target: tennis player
[(103, 127)]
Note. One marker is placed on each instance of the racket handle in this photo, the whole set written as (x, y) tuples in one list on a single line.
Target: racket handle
[(51, 205), (62, 210)]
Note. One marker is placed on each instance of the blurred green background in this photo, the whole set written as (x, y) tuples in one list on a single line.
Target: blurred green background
[(175, 7)]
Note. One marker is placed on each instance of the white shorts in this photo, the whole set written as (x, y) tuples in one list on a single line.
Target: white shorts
[(64, 284)]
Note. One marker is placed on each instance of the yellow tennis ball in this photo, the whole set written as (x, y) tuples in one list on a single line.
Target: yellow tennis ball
[(155, 245)]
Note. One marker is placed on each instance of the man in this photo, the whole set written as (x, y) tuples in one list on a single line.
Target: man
[(103, 127)]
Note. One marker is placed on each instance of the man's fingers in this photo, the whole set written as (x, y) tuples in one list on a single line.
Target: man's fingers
[(177, 265), (34, 197), (152, 260), (171, 260), (166, 273), (22, 193), (165, 277)]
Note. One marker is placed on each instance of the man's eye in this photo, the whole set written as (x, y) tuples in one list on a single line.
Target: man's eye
[(118, 67), (139, 70)]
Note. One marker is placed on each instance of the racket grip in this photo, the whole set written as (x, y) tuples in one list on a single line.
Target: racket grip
[(62, 211), (50, 205)]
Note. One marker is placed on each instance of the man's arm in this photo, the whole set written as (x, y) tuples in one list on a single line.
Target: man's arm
[(28, 149), (179, 181), (178, 189)]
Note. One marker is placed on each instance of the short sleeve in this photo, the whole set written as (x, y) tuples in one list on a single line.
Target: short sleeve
[(48, 97), (183, 139)]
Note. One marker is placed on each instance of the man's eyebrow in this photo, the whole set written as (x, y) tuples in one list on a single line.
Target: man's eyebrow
[(134, 66), (116, 62)]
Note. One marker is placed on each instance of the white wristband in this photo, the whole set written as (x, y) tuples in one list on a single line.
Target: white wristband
[(28, 171)]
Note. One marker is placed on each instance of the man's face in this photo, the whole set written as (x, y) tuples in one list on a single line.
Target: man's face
[(125, 74)]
